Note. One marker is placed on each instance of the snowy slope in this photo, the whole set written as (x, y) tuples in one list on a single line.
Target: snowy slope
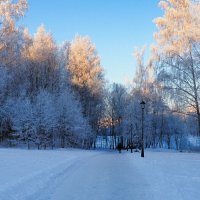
[(98, 175)]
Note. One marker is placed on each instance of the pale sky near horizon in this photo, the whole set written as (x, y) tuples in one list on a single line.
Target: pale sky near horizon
[(115, 26)]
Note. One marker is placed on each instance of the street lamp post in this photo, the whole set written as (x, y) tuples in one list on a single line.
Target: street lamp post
[(131, 138), (142, 106)]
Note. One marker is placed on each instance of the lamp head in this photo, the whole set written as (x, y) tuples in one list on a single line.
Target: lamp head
[(142, 104)]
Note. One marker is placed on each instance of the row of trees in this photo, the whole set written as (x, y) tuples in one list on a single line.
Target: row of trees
[(56, 95), (162, 127), (169, 82), (49, 94)]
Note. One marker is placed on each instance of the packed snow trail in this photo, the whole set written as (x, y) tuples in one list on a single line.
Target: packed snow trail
[(98, 175), (113, 176), (33, 174), (108, 176)]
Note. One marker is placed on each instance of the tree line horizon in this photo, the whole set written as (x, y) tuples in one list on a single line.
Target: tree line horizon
[(57, 96)]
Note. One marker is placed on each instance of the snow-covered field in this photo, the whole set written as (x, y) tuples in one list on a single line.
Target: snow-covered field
[(98, 175), (35, 174)]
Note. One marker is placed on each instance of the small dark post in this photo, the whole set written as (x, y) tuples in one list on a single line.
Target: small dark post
[(131, 138), (142, 106)]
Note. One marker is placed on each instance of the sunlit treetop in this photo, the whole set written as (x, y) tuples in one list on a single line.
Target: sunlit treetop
[(179, 26), (10, 11)]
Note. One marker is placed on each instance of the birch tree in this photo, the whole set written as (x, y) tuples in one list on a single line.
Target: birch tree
[(116, 106), (11, 36), (43, 69), (145, 87), (86, 76), (177, 52)]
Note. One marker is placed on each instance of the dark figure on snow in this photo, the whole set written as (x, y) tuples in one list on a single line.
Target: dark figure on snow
[(119, 147)]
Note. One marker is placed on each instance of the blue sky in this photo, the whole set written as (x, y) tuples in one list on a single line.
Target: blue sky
[(115, 26)]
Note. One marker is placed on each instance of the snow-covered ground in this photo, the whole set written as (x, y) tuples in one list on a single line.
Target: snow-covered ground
[(98, 175), (33, 174)]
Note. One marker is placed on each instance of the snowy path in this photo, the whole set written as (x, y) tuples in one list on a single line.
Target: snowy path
[(107, 176), (98, 175), (112, 176), (33, 174)]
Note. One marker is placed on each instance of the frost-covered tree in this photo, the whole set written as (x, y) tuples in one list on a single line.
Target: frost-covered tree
[(86, 76), (84, 65), (116, 102), (11, 40), (10, 36), (45, 119), (177, 53), (145, 87), (178, 27), (73, 128), (22, 116), (42, 70), (38, 105)]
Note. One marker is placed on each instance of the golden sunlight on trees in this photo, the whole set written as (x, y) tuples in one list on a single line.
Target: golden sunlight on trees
[(10, 12), (43, 47), (84, 65), (10, 35), (177, 47), (56, 95), (86, 76), (41, 53), (179, 26)]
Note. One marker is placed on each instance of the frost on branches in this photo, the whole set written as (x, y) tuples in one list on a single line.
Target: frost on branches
[(56, 95), (177, 56), (38, 106)]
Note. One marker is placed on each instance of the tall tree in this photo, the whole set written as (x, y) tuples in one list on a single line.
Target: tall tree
[(43, 70), (146, 88), (10, 36), (177, 51), (116, 107), (86, 76)]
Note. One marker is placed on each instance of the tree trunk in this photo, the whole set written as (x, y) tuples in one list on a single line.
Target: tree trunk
[(195, 92)]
